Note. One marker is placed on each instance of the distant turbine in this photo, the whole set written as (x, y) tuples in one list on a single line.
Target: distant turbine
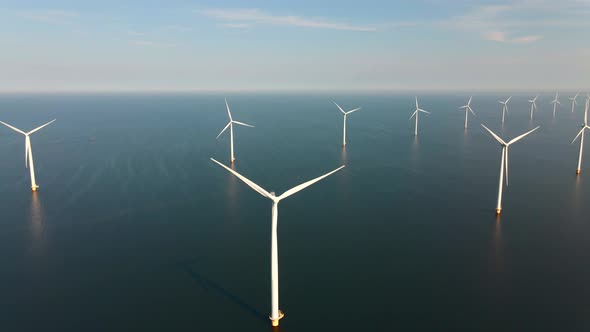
[(584, 127), (231, 131), (504, 107), (275, 314), (533, 105), (345, 114), (416, 112), (504, 162), (29, 151), (467, 110), (555, 102), (574, 102)]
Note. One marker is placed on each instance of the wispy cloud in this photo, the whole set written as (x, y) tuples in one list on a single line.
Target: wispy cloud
[(151, 43), (175, 28), (256, 16), (499, 36), (135, 33), (49, 16), (235, 25)]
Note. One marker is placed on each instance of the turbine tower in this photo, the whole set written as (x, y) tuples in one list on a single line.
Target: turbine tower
[(504, 162), (555, 102), (533, 105), (467, 110), (231, 131), (29, 151), (504, 107), (584, 127), (345, 114), (416, 112), (275, 313)]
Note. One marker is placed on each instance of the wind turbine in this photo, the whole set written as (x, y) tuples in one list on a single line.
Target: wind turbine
[(555, 102), (584, 127), (231, 131), (574, 102), (504, 162), (345, 114), (29, 151), (533, 105), (504, 107), (275, 314), (467, 110), (416, 112)]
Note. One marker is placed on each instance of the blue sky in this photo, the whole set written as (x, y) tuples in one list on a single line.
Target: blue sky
[(297, 45)]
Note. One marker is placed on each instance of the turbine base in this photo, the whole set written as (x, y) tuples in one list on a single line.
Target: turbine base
[(498, 211), (578, 171), (275, 322), (34, 188)]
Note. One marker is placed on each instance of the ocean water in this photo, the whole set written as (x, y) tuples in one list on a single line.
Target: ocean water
[(134, 228)]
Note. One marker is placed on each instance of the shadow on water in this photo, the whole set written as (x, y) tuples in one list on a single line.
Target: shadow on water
[(37, 222), (214, 287), (497, 245)]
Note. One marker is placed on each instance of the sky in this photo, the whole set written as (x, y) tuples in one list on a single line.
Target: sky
[(403, 45)]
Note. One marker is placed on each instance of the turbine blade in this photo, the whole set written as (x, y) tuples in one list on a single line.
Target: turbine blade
[(354, 110), (506, 163), (469, 102), (578, 135), (416, 111), (421, 110), (228, 112), (471, 110), (47, 124), (507, 100), (501, 141), (229, 124), (243, 124), (13, 128), (26, 153), (523, 135), (246, 181), (307, 184), (463, 106), (417, 107), (340, 108)]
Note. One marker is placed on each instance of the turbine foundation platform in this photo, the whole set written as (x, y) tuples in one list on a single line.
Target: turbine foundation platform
[(498, 211), (578, 171), (275, 322), (34, 188)]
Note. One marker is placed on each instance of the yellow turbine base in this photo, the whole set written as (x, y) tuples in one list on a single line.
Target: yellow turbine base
[(498, 211), (275, 322), (578, 171), (34, 188)]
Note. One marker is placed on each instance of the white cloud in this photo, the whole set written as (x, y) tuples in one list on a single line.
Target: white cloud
[(49, 16), (235, 25), (135, 33), (176, 28), (256, 16)]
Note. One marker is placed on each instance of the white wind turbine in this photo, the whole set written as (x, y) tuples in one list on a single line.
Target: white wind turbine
[(345, 114), (29, 151), (231, 131), (533, 105), (504, 107), (504, 162), (555, 102), (584, 127), (574, 102), (467, 110), (416, 112), (275, 314)]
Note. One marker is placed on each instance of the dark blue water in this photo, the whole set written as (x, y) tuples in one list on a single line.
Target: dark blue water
[(134, 228)]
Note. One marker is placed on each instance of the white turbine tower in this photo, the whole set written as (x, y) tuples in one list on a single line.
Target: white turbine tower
[(504, 162), (504, 107), (29, 151), (345, 114), (275, 314), (584, 127), (416, 112), (555, 102), (574, 102), (231, 131), (467, 110), (533, 105)]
